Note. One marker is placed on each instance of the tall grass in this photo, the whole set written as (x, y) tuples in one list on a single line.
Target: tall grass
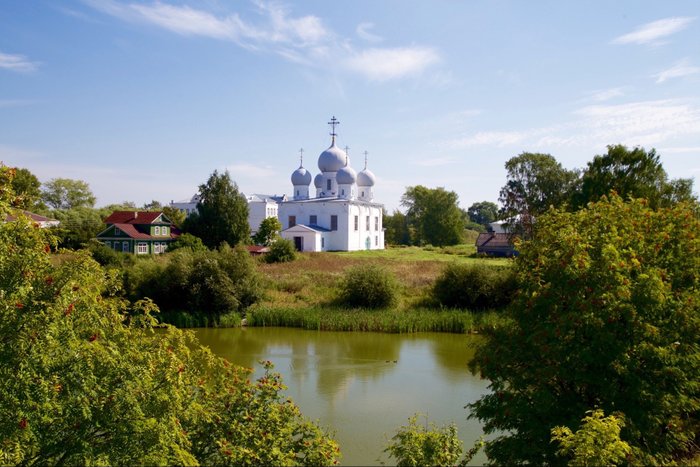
[(392, 321)]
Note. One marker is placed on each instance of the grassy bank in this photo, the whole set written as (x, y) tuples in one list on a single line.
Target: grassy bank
[(304, 293), (392, 321)]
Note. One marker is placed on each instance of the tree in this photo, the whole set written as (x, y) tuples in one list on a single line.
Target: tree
[(268, 231), (153, 206), (26, 186), (187, 241), (65, 193), (596, 443), (606, 317), (222, 213), (632, 173), (281, 251), (416, 445), (534, 183), (176, 216), (78, 226), (483, 212), (434, 215), (85, 378), (397, 232)]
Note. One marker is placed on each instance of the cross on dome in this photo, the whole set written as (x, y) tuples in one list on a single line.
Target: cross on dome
[(366, 159), (301, 158), (334, 121)]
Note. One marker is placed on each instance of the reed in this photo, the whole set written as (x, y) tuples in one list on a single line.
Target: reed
[(385, 320)]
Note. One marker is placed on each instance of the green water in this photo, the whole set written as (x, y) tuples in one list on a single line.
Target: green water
[(364, 385)]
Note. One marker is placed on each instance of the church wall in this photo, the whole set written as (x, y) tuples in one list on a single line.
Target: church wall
[(258, 212)]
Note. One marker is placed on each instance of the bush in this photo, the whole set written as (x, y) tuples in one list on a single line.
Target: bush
[(368, 286), (187, 241), (207, 283), (103, 254), (281, 251), (474, 287)]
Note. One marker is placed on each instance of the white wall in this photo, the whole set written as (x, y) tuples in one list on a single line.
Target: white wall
[(258, 212)]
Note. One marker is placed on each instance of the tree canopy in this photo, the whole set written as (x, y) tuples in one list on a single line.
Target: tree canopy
[(534, 183), (222, 213), (66, 193), (483, 212), (433, 215), (86, 380), (268, 231), (632, 173), (606, 318), (27, 187)]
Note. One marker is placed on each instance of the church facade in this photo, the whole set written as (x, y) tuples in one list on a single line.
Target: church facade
[(342, 215)]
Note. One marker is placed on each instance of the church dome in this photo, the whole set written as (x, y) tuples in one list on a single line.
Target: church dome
[(332, 159), (301, 176), (318, 181), (366, 178), (346, 176)]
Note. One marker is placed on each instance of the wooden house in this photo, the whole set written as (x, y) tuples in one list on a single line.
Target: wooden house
[(138, 232)]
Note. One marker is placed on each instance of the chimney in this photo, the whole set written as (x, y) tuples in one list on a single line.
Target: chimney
[(136, 214)]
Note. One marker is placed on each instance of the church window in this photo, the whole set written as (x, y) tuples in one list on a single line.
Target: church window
[(313, 220), (292, 221), (342, 192), (328, 184), (376, 222), (367, 222), (357, 222), (376, 240), (297, 192), (323, 242), (334, 222), (363, 194)]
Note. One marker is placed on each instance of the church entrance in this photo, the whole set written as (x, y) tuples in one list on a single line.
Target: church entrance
[(299, 243)]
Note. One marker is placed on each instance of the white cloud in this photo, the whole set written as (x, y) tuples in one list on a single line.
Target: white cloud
[(18, 63), (362, 31), (382, 64), (245, 171), (680, 69), (606, 94), (646, 123), (304, 40), (650, 33)]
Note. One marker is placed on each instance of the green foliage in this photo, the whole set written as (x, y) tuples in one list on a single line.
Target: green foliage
[(632, 173), (420, 445), (281, 251), (176, 216), (474, 286), (188, 241), (534, 183), (397, 231), (153, 206), (207, 283), (483, 213), (222, 213), (65, 193), (104, 255), (78, 226), (86, 380), (606, 316), (368, 286), (433, 215), (27, 188), (268, 232), (596, 443)]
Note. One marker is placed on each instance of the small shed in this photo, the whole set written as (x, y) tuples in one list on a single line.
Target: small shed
[(496, 244)]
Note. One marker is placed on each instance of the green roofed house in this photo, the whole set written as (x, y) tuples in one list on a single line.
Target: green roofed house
[(138, 232)]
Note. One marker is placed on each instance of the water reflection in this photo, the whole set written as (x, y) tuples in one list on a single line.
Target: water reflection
[(364, 385)]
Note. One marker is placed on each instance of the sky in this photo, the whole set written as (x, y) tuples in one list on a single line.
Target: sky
[(144, 99)]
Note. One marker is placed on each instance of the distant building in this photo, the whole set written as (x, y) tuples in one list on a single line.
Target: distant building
[(260, 207), (41, 221), (496, 244), (186, 207), (343, 216), (138, 232)]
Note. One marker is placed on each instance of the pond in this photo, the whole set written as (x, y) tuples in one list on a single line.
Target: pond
[(364, 385)]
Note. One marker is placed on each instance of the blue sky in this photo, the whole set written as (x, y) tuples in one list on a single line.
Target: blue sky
[(144, 99)]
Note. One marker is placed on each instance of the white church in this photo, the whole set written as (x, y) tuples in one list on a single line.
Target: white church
[(342, 216)]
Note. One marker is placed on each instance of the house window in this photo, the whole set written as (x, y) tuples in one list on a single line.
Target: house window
[(328, 184), (367, 222), (108, 244), (376, 222), (357, 222), (313, 220), (157, 230), (142, 248), (292, 221), (125, 247), (117, 231), (164, 230), (334, 222)]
